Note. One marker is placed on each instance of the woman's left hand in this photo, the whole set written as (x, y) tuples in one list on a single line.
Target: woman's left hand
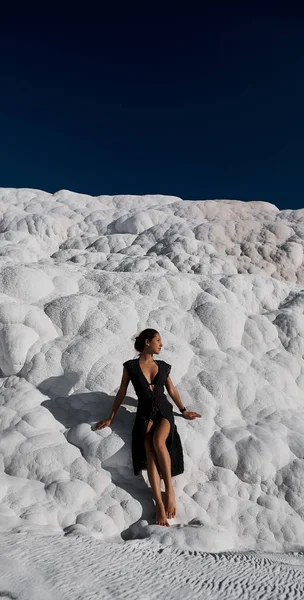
[(188, 414)]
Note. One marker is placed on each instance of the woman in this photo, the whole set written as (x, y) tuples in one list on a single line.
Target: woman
[(156, 444)]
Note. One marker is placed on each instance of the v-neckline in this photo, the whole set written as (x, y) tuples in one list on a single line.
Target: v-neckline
[(149, 384)]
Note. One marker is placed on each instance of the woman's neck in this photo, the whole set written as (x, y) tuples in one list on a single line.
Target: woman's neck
[(146, 357)]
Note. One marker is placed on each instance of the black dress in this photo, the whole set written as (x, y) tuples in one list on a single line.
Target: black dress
[(153, 405)]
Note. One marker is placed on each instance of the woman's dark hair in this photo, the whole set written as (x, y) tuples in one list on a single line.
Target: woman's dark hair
[(146, 334)]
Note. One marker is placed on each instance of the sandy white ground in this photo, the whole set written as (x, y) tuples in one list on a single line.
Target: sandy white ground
[(223, 282), (52, 567)]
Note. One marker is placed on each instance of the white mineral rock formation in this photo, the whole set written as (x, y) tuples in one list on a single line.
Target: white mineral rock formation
[(223, 282)]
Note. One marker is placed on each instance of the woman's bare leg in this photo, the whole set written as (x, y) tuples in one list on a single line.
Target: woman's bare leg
[(159, 442), (154, 477)]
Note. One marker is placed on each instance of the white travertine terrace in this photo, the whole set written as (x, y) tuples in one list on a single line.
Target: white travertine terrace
[(223, 282)]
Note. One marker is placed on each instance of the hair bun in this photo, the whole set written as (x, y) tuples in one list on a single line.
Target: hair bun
[(140, 339)]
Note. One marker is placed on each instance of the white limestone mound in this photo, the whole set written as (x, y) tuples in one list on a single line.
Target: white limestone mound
[(15, 341), (25, 284), (222, 281), (23, 330)]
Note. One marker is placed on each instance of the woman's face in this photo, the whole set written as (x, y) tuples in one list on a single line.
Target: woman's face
[(156, 344)]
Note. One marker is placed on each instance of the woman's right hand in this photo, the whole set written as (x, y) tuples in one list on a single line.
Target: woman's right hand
[(103, 423)]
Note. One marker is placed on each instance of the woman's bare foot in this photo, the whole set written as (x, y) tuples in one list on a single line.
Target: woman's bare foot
[(161, 516), (169, 503)]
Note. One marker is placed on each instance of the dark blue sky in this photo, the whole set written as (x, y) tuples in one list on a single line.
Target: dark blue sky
[(198, 102)]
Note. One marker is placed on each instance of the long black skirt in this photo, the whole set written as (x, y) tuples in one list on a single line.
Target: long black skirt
[(173, 441)]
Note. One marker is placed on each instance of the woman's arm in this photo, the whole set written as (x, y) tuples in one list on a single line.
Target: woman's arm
[(117, 402), (172, 391), (121, 393)]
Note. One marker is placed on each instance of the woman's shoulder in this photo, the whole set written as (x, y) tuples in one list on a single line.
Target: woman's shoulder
[(164, 364), (129, 363)]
